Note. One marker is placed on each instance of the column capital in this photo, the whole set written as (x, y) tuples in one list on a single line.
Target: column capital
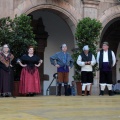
[(91, 3)]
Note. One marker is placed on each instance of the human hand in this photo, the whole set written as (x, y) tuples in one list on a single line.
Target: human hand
[(89, 62), (24, 65), (57, 65), (69, 68), (41, 61), (11, 65), (37, 65)]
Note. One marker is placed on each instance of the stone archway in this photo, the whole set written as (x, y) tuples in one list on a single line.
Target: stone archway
[(67, 17), (65, 10), (55, 31), (109, 15)]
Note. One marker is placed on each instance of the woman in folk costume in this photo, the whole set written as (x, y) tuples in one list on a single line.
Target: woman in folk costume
[(86, 60), (30, 79), (6, 73), (106, 60)]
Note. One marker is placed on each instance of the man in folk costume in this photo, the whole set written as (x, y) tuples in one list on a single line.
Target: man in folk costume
[(106, 60), (86, 60), (64, 62)]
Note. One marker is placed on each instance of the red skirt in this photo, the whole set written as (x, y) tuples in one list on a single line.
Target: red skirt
[(29, 83)]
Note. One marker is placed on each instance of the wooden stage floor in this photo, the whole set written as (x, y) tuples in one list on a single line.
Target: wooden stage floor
[(60, 108)]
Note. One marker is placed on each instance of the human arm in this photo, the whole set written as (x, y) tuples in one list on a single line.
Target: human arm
[(93, 62), (71, 63), (20, 63), (53, 60), (79, 61), (98, 55), (113, 58), (40, 62), (12, 60)]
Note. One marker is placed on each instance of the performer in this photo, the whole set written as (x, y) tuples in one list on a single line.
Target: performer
[(30, 79), (86, 60), (6, 73), (106, 60), (64, 62), (116, 87)]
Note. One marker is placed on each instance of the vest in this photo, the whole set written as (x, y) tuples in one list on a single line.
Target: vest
[(86, 58), (110, 60)]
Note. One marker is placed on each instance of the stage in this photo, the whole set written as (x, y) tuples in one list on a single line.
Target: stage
[(60, 108)]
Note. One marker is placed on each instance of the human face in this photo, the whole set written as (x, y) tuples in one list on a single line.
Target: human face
[(105, 47), (64, 48), (86, 52), (31, 51), (5, 49)]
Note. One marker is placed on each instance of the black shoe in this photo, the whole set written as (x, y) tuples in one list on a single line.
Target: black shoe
[(83, 93), (110, 93), (66, 94), (32, 94), (101, 93), (88, 93), (7, 95), (2, 96), (28, 95), (59, 94)]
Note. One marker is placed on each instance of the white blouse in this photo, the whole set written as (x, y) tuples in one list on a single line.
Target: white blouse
[(105, 57)]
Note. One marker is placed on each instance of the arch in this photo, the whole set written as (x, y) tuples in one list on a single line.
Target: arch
[(108, 25), (61, 8), (65, 15), (66, 11), (108, 17), (54, 45), (56, 8), (109, 14)]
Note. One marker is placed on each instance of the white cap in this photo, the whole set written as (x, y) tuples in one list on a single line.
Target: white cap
[(63, 45), (85, 47), (5, 45)]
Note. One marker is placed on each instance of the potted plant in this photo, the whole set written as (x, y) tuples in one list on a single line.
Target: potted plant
[(87, 33)]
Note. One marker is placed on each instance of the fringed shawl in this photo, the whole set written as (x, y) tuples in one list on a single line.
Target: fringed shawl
[(6, 60)]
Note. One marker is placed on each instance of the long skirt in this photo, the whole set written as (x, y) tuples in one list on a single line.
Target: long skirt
[(6, 81), (29, 83)]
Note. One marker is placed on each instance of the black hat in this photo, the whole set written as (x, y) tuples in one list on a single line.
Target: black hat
[(106, 43)]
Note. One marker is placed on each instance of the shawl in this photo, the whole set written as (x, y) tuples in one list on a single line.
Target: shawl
[(6, 60)]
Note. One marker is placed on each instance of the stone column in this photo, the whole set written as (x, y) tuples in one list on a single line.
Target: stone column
[(90, 8), (41, 38)]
